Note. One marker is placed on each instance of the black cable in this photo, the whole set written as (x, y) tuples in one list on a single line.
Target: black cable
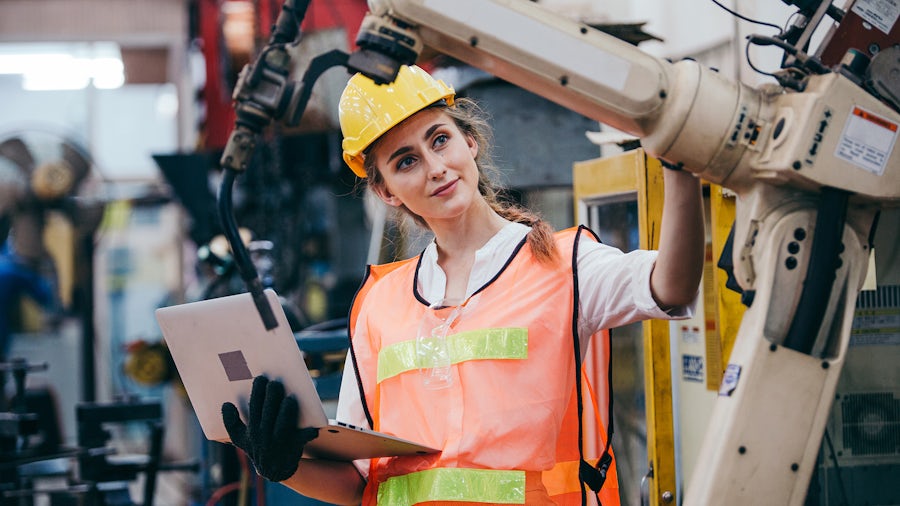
[(787, 23), (745, 18), (765, 40), (239, 251), (287, 24), (750, 62), (821, 271)]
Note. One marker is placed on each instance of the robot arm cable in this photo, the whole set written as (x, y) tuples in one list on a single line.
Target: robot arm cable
[(745, 18)]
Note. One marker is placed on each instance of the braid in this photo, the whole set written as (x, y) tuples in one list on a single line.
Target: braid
[(540, 239), (473, 120)]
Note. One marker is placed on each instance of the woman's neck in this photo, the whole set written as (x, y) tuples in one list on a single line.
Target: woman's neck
[(457, 243), (465, 235)]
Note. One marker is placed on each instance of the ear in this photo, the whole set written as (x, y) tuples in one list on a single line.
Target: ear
[(473, 145), (385, 195)]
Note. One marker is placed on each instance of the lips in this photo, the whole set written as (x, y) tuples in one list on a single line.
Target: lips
[(444, 188)]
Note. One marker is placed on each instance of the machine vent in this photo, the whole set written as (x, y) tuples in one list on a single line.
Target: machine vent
[(871, 424)]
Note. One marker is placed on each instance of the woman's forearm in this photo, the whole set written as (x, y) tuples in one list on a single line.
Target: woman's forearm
[(327, 480), (682, 241)]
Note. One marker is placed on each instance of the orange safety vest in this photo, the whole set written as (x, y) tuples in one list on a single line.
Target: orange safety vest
[(512, 401)]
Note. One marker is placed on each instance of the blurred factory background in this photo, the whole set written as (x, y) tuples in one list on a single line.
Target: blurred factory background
[(133, 99)]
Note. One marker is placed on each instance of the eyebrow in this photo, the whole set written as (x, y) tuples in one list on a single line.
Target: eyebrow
[(405, 149)]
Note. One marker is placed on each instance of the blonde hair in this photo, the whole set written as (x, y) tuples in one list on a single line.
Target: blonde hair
[(472, 120)]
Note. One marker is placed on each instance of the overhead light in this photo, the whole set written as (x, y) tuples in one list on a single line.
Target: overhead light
[(59, 70), (107, 73)]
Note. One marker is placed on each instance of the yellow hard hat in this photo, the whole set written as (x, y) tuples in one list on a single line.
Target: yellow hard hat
[(368, 110)]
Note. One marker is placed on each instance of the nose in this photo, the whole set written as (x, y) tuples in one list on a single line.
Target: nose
[(436, 167)]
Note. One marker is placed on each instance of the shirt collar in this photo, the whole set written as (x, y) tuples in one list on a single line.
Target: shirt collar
[(489, 259)]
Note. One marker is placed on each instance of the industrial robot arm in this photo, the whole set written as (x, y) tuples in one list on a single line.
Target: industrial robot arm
[(812, 161), (720, 130)]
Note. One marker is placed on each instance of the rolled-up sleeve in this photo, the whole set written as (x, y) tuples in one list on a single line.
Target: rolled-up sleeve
[(614, 288)]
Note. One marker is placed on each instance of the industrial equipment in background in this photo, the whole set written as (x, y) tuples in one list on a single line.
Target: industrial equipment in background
[(812, 158), (52, 200), (37, 467)]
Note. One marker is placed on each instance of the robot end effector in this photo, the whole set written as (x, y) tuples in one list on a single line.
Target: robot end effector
[(265, 92)]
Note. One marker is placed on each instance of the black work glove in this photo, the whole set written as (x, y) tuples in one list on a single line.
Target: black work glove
[(271, 438)]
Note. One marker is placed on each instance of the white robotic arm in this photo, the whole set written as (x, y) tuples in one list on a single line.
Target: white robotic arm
[(585, 70), (811, 169), (684, 113)]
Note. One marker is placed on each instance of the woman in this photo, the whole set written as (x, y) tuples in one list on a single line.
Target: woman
[(494, 394)]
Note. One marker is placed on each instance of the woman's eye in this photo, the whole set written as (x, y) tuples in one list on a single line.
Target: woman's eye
[(441, 139), (405, 162)]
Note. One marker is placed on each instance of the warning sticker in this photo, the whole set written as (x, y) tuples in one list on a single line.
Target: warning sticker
[(881, 14), (867, 141)]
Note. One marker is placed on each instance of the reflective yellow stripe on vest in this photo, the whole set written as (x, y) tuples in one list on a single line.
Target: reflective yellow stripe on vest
[(499, 343), (454, 484)]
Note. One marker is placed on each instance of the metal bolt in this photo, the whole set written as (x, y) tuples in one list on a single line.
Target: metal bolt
[(668, 497)]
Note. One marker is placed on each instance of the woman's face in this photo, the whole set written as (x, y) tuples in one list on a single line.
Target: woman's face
[(428, 164)]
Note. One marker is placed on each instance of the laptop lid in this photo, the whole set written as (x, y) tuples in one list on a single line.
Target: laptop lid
[(219, 345)]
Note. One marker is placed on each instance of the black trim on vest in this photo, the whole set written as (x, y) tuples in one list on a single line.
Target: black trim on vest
[(415, 282), (509, 260), (350, 323), (589, 475)]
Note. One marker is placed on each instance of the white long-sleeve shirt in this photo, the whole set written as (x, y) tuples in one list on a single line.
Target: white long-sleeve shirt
[(613, 287)]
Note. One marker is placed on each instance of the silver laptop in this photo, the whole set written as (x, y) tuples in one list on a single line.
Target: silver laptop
[(219, 346)]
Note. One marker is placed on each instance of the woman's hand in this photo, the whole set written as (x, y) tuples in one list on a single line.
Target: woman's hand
[(271, 438)]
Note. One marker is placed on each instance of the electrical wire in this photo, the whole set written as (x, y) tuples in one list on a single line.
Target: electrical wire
[(788, 22), (239, 486), (221, 492), (260, 486), (754, 67), (745, 18)]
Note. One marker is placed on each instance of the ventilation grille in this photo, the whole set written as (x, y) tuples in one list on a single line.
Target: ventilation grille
[(871, 424)]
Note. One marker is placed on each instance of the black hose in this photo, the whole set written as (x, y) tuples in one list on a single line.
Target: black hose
[(241, 257), (820, 276), (287, 25)]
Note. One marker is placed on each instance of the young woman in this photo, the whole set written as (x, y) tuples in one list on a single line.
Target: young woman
[(470, 346)]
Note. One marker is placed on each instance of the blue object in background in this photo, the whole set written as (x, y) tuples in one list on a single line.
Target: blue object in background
[(17, 280), (276, 493)]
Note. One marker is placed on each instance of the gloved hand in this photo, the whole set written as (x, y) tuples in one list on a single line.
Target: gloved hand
[(271, 438)]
